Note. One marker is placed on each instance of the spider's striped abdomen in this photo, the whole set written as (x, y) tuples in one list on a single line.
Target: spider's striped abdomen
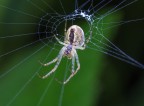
[(75, 36)]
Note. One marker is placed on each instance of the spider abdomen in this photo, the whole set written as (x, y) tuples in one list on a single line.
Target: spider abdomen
[(75, 36)]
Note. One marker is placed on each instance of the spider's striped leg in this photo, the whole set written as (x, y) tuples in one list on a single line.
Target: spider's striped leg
[(53, 61), (59, 57), (73, 72)]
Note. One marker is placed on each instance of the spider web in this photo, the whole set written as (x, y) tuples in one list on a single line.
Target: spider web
[(27, 36)]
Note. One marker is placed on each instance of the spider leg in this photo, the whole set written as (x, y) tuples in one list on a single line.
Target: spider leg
[(53, 61), (73, 64), (65, 27), (73, 72), (80, 47), (60, 41), (59, 57)]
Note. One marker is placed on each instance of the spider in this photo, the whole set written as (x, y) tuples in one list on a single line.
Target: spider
[(74, 39)]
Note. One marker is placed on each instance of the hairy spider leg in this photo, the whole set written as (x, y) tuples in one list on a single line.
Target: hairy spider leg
[(59, 57), (73, 72)]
